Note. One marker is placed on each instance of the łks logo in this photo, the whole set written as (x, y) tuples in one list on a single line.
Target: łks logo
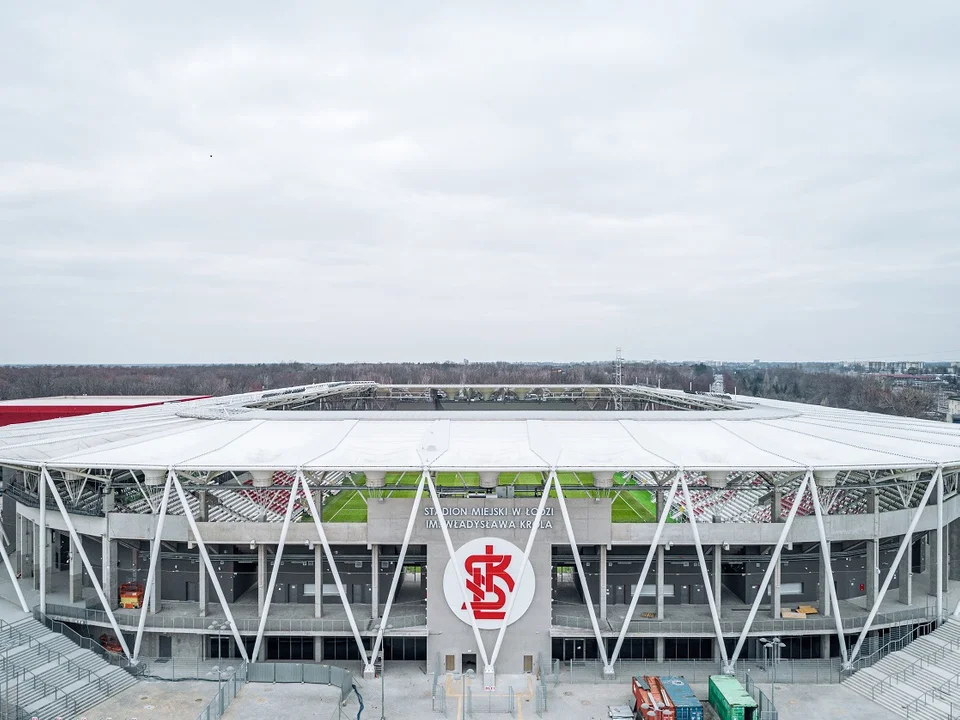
[(490, 568)]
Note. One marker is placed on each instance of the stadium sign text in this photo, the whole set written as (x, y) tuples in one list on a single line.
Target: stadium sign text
[(490, 568), (489, 518)]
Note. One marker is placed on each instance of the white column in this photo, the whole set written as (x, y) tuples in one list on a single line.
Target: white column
[(905, 576), (660, 579), (36, 554), (823, 591), (202, 588), (154, 595), (775, 589), (717, 575), (375, 582), (43, 554), (603, 583), (261, 578), (75, 571), (108, 557), (318, 581)]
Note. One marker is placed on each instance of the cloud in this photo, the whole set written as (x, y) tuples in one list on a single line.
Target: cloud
[(420, 181)]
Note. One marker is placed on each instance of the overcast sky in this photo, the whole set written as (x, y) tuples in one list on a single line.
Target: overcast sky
[(181, 182)]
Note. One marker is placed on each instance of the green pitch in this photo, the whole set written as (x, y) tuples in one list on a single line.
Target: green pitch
[(628, 505)]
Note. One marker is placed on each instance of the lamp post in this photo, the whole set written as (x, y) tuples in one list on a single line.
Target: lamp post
[(773, 646), (219, 627)]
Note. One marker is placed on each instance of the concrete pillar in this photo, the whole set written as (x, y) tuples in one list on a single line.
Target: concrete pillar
[(37, 555), (318, 586), (318, 649), (872, 583), (717, 578), (603, 583), (202, 510), (46, 555), (905, 576), (261, 578), (776, 504), (203, 582), (932, 563), (775, 591), (75, 570), (108, 559), (823, 586), (375, 582), (153, 602), (658, 504), (825, 647), (660, 579), (953, 548), (660, 649)]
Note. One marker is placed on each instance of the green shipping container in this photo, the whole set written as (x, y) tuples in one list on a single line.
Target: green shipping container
[(731, 701)]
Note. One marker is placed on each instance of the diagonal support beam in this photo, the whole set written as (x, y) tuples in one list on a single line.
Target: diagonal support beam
[(714, 614), (774, 560), (154, 559), (831, 586), (601, 646), (328, 551), (191, 521), (487, 667), (291, 503), (934, 481), (654, 544), (397, 572), (107, 607), (13, 578), (551, 479)]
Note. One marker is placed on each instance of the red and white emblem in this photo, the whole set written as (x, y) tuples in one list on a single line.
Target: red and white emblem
[(490, 568)]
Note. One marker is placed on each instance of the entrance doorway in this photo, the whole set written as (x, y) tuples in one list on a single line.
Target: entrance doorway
[(165, 649), (575, 650), (468, 661)]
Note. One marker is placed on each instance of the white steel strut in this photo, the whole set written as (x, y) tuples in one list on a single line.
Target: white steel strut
[(703, 568), (191, 521), (895, 564), (831, 586), (551, 479), (268, 595), (397, 572), (601, 647), (654, 544), (774, 561), (154, 559), (328, 551), (487, 667), (107, 607)]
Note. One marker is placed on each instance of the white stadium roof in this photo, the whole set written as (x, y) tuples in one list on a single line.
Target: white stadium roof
[(237, 433)]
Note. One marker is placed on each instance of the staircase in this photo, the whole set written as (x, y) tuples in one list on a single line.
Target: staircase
[(920, 682), (47, 676)]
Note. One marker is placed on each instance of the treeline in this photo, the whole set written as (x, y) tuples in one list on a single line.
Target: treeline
[(856, 392)]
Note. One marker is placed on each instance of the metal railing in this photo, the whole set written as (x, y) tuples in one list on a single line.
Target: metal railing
[(131, 619), (654, 627), (86, 643), (226, 692), (941, 692), (891, 646), (22, 677), (82, 673), (821, 672), (765, 706)]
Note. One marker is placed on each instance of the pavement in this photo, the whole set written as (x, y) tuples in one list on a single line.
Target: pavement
[(407, 693)]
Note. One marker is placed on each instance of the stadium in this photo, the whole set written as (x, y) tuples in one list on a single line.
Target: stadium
[(483, 527)]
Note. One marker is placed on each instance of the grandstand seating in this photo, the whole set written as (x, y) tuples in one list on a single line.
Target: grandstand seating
[(47, 676), (919, 681)]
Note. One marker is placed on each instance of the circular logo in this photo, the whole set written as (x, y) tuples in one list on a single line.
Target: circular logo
[(490, 569)]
